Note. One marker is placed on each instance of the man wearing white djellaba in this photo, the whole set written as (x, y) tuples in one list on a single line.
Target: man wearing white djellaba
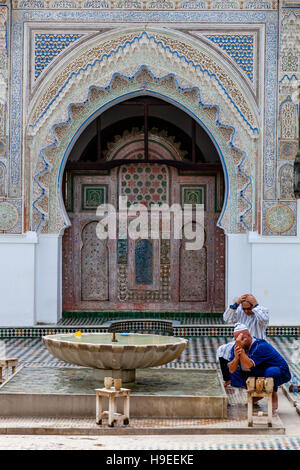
[(245, 310)]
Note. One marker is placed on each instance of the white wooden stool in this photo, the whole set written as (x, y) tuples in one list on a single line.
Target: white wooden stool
[(6, 363), (259, 388), (112, 394)]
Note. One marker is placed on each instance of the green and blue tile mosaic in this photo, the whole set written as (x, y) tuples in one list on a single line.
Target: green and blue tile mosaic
[(48, 46), (238, 46)]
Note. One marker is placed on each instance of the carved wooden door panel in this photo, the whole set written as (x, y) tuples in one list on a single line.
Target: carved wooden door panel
[(193, 272), (143, 274), (94, 265), (87, 260), (201, 277)]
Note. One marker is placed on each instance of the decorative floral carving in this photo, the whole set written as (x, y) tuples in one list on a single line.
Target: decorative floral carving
[(279, 218), (8, 216), (288, 119), (286, 182)]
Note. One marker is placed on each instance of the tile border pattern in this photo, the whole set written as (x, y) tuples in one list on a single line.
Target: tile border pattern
[(185, 331)]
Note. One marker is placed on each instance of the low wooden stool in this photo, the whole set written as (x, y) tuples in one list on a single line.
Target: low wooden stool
[(112, 394), (260, 387), (6, 363)]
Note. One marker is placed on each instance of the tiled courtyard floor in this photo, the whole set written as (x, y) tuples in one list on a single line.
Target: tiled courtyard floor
[(155, 443), (235, 423), (156, 434)]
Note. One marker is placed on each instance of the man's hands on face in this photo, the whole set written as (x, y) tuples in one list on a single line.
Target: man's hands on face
[(237, 351), (239, 341), (239, 345)]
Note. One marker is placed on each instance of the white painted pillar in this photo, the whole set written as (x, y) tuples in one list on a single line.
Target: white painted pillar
[(276, 275), (48, 279), (17, 279), (238, 266)]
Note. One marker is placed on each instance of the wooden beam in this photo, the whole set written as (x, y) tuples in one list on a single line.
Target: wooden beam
[(99, 149), (193, 140), (105, 165), (148, 100), (146, 133)]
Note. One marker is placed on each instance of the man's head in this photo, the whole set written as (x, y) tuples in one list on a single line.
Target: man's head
[(242, 334), (247, 307)]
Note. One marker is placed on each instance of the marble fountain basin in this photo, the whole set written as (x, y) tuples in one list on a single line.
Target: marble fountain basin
[(115, 359)]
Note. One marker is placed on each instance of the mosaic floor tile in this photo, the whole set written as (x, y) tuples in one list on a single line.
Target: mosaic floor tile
[(200, 352), (156, 443), (236, 418)]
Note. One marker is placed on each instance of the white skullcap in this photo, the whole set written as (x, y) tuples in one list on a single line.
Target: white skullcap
[(240, 327)]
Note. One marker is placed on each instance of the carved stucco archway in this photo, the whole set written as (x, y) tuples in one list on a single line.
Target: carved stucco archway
[(112, 68)]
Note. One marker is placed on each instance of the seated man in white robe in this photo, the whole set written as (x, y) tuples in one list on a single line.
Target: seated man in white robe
[(246, 310)]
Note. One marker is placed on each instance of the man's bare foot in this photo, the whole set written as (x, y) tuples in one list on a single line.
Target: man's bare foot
[(228, 382)]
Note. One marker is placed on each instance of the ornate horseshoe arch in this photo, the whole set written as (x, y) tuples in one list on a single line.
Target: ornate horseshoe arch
[(113, 67)]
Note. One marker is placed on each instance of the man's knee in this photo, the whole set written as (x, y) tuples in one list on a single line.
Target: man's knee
[(238, 379), (275, 373), (272, 372)]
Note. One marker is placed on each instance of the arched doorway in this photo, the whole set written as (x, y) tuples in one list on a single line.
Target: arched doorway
[(152, 152)]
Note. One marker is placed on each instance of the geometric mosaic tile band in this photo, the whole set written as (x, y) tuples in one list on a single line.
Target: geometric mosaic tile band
[(196, 324), (38, 332), (99, 320), (185, 331)]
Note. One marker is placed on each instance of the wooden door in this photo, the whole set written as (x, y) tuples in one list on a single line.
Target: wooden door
[(145, 274)]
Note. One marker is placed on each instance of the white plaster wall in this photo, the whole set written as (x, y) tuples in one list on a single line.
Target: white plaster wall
[(48, 279), (238, 266), (17, 276), (269, 268), (30, 279), (276, 277)]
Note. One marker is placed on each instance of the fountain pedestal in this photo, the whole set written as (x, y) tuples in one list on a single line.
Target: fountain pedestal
[(127, 375)]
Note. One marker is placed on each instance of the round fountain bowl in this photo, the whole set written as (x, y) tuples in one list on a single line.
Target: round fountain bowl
[(117, 359)]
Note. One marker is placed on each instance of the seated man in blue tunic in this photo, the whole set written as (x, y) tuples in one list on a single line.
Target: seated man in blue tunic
[(252, 357)]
